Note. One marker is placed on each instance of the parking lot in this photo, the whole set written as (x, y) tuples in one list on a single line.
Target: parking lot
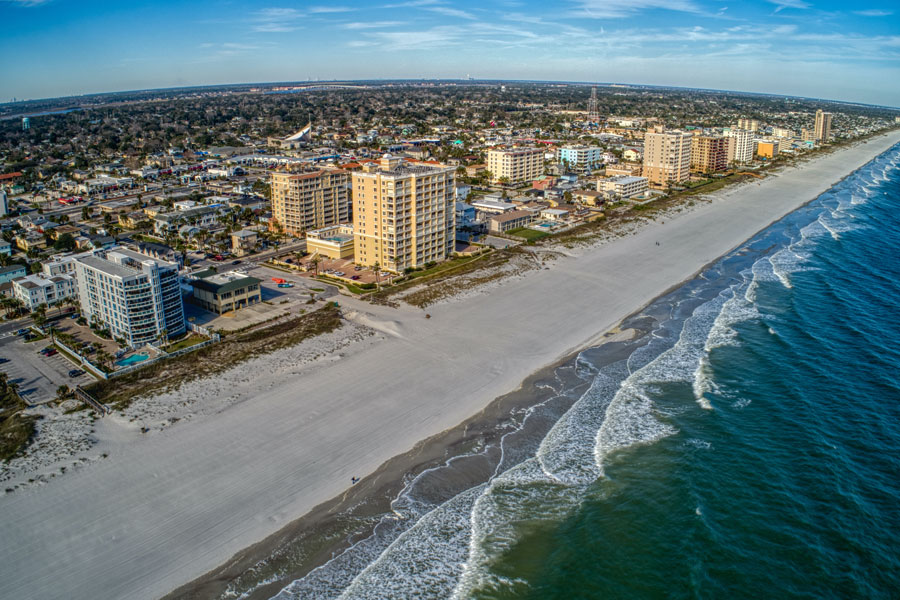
[(275, 300), (38, 376)]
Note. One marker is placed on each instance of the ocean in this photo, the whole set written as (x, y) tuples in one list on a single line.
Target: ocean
[(745, 443)]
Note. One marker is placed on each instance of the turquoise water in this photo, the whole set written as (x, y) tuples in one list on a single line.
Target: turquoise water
[(748, 445), (131, 360)]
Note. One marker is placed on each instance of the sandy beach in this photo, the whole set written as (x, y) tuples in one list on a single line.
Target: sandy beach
[(164, 508)]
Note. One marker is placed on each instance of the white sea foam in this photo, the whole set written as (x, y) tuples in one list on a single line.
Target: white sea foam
[(426, 560)]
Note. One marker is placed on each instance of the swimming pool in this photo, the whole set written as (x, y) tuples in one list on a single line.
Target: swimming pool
[(131, 360)]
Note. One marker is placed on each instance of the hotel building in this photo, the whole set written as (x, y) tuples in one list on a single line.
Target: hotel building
[(516, 165), (304, 201), (135, 296), (667, 157), (403, 213)]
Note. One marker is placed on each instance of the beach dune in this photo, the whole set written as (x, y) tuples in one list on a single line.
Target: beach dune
[(168, 507)]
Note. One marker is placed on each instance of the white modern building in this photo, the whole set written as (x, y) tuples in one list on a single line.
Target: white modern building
[(581, 158), (135, 296), (34, 290), (623, 186), (740, 145)]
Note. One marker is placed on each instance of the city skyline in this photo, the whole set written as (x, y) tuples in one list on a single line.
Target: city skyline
[(790, 47)]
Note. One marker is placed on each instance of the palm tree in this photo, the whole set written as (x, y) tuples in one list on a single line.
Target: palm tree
[(315, 262), (377, 267)]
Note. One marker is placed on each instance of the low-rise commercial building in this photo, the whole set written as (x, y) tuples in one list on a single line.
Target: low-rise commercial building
[(221, 293), (510, 220), (333, 242)]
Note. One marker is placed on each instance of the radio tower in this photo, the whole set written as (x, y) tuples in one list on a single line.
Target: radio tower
[(594, 107)]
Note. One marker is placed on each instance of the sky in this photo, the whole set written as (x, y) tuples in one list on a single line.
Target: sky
[(832, 50)]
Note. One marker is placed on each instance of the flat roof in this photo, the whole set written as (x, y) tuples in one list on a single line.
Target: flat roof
[(108, 267), (224, 282)]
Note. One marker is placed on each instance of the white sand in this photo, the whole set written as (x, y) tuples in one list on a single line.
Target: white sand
[(166, 507)]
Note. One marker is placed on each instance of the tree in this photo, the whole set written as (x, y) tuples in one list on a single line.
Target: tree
[(377, 267), (315, 262), (62, 392), (65, 242)]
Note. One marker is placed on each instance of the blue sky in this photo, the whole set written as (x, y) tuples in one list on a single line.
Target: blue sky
[(842, 51)]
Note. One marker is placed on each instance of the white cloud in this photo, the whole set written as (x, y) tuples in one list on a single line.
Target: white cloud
[(782, 4), (27, 2), (371, 24), (328, 9), (873, 12), (604, 9), (277, 20), (452, 12)]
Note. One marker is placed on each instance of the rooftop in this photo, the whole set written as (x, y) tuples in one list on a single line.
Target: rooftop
[(218, 283)]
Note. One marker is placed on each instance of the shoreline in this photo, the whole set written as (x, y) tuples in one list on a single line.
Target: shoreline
[(206, 491), (378, 490)]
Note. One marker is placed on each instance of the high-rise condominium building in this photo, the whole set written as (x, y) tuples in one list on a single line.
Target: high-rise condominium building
[(823, 125), (135, 296), (709, 153), (515, 165), (667, 156), (403, 213), (305, 201), (748, 124), (740, 145)]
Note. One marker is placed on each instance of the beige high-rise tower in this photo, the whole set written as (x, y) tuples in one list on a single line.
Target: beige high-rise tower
[(403, 213), (823, 125), (304, 201), (667, 156)]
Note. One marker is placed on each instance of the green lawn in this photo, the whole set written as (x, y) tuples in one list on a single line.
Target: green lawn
[(529, 235), (191, 340)]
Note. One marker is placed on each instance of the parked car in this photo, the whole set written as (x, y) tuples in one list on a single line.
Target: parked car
[(75, 372), (285, 285), (3, 360), (235, 262), (355, 277), (22, 332), (51, 352)]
